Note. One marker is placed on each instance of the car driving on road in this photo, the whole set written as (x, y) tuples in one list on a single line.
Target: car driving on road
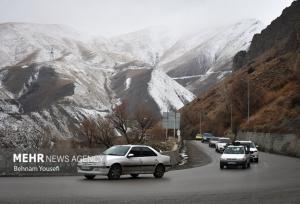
[(206, 137), (253, 149), (235, 156), (125, 159), (213, 141), (199, 136), (222, 143)]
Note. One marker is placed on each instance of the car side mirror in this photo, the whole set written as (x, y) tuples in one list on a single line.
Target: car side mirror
[(130, 155)]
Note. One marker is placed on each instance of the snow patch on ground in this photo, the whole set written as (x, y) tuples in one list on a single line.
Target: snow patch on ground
[(127, 83), (167, 93)]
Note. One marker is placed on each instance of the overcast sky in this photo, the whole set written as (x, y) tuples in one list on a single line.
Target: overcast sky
[(113, 17)]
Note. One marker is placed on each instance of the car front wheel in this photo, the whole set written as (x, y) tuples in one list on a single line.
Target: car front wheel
[(134, 175), (115, 172), (159, 171)]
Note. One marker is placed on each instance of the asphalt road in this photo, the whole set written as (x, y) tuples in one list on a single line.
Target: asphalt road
[(276, 179)]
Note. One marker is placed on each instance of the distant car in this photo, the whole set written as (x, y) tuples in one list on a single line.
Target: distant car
[(199, 136), (222, 143), (206, 137), (125, 159), (213, 141), (254, 155), (235, 156)]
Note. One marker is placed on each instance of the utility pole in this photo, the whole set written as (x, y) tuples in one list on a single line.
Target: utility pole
[(51, 54), (248, 96), (167, 125), (200, 121), (156, 60), (174, 134), (231, 124)]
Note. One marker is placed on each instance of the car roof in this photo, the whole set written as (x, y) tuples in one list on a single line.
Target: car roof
[(236, 146), (224, 138), (130, 145), (244, 141)]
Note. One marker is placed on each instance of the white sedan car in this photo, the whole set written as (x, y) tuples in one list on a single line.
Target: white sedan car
[(222, 143), (235, 156), (253, 149), (125, 159)]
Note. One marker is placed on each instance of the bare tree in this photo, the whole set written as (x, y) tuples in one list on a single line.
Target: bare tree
[(105, 132), (98, 131), (120, 120), (145, 120), (89, 127)]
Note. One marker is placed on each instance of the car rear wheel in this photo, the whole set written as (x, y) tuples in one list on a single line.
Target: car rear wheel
[(159, 171), (221, 166), (115, 172), (134, 175), (89, 177)]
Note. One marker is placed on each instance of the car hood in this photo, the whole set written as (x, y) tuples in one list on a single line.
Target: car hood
[(232, 156), (221, 144), (253, 149)]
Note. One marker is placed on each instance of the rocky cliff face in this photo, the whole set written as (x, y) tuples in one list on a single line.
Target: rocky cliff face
[(271, 70), (281, 35)]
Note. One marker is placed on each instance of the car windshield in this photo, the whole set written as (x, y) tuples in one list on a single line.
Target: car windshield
[(224, 140), (234, 150), (214, 139), (117, 150), (249, 144)]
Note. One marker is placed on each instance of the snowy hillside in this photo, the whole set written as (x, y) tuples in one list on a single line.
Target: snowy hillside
[(144, 45), (167, 93), (208, 55), (52, 77), (27, 43)]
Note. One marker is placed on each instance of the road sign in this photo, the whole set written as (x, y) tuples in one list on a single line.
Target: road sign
[(171, 120)]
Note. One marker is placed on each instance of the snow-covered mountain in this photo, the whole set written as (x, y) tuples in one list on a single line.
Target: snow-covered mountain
[(51, 77), (144, 45), (200, 59)]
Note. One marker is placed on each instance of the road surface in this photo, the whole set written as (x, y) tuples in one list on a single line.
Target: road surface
[(276, 179)]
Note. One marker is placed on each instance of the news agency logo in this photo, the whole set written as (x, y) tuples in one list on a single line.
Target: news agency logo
[(43, 158), (28, 158), (38, 162)]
